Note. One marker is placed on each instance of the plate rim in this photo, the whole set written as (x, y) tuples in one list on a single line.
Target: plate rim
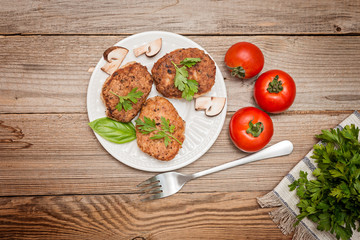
[(183, 164)]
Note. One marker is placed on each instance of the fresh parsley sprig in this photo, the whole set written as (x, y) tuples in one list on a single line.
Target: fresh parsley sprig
[(189, 62), (188, 87), (332, 200), (148, 125), (125, 101)]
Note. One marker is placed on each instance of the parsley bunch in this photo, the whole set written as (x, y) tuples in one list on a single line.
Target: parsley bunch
[(333, 199), (148, 125), (188, 86), (125, 101)]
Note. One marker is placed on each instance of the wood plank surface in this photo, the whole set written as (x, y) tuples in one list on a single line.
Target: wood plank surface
[(59, 154), (182, 16), (203, 215), (42, 74), (57, 181)]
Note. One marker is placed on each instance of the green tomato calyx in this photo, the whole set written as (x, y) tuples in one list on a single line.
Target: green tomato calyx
[(237, 72), (255, 129), (275, 86)]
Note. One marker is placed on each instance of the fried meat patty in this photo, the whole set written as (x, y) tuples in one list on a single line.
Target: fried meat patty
[(121, 82), (164, 72), (155, 108)]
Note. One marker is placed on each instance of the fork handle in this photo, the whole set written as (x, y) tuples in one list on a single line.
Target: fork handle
[(279, 149)]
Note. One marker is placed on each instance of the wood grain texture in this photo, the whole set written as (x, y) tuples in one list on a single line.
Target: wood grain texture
[(49, 74), (182, 16), (64, 157), (183, 216), (56, 180)]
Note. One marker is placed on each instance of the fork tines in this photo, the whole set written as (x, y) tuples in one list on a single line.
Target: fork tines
[(148, 181), (151, 187)]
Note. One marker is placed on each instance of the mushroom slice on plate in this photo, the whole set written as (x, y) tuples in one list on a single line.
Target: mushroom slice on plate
[(113, 57), (150, 49), (212, 105)]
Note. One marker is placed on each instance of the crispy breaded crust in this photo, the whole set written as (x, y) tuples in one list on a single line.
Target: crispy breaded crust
[(121, 82), (164, 72), (155, 108)]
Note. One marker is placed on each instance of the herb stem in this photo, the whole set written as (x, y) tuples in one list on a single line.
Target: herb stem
[(176, 67), (170, 135), (147, 126), (125, 102), (115, 94)]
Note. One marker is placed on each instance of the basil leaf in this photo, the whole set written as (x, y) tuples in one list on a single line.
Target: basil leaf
[(114, 131)]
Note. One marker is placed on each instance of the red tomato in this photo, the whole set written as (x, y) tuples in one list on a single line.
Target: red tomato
[(251, 129), (274, 91), (245, 60)]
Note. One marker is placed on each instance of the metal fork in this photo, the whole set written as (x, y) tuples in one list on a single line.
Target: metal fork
[(169, 183)]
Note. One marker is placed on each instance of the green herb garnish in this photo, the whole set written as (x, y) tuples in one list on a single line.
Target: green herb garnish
[(125, 101), (189, 62), (147, 126), (333, 199), (114, 131), (188, 86)]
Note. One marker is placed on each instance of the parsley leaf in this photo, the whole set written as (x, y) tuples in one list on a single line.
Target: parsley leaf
[(333, 199), (149, 125), (180, 77), (188, 87), (125, 102), (189, 62)]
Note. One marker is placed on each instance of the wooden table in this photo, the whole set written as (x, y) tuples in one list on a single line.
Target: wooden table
[(56, 180)]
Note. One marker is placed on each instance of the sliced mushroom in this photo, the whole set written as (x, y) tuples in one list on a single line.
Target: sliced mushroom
[(154, 48), (141, 50), (91, 69), (114, 57), (150, 49), (212, 105), (110, 68)]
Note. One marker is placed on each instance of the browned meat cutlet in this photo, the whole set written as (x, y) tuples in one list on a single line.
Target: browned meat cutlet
[(155, 108), (121, 82), (164, 72)]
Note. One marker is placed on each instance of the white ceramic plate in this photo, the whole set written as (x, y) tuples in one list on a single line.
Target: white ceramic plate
[(201, 131)]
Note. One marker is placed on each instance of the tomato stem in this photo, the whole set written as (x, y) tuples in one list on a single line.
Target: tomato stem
[(255, 129), (237, 71), (275, 86)]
